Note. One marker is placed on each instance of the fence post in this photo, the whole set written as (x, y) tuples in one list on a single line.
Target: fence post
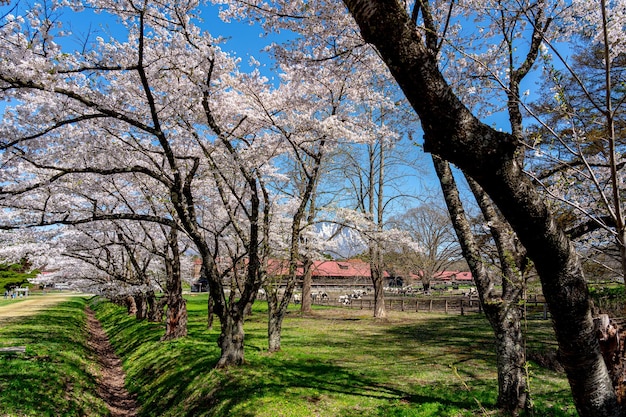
[(545, 311), (430, 305), (402, 304), (417, 306), (446, 306), (462, 310)]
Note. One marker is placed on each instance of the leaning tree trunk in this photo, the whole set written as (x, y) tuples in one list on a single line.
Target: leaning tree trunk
[(503, 312), (492, 159)]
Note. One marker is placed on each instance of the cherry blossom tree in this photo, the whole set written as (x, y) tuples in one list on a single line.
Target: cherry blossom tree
[(495, 160), (164, 105)]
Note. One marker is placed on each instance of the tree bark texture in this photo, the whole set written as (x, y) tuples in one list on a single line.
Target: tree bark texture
[(210, 315), (230, 314), (142, 306), (231, 340), (307, 281), (491, 158), (511, 357), (151, 304), (176, 315), (503, 312), (131, 307), (274, 331), (380, 312), (613, 345)]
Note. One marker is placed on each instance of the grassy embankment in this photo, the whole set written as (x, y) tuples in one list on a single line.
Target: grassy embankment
[(54, 377), (337, 363)]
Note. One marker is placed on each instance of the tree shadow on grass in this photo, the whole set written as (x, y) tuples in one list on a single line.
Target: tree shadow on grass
[(190, 387)]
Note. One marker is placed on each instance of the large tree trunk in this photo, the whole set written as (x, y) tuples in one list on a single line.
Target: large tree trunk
[(176, 315), (511, 357), (156, 315), (231, 340), (150, 305), (491, 158), (176, 318), (155, 308), (131, 307), (142, 306), (274, 331)]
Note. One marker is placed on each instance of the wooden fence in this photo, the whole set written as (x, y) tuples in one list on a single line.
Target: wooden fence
[(534, 308)]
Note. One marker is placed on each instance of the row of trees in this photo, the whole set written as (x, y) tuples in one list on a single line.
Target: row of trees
[(149, 143)]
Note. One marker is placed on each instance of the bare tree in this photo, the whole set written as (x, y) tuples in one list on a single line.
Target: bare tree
[(433, 243)]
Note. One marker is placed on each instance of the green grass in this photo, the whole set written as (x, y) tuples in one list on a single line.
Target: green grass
[(55, 375), (335, 363)]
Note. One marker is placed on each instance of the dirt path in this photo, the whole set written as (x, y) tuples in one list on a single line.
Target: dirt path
[(111, 375)]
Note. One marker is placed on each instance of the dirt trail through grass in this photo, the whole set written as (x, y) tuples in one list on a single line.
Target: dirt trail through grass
[(109, 374)]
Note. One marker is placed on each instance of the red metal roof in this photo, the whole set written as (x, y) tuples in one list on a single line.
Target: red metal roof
[(447, 276), (341, 269), (353, 268)]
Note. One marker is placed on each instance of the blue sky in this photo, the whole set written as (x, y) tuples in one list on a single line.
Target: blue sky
[(243, 40)]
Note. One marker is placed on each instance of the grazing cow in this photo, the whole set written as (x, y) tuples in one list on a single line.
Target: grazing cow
[(297, 298), (358, 293), (319, 296), (345, 299)]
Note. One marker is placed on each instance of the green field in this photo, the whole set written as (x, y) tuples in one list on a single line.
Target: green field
[(337, 362)]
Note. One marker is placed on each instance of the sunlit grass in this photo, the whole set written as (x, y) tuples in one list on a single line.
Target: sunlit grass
[(336, 362), (55, 375)]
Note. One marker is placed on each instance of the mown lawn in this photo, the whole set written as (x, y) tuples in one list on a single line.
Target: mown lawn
[(337, 362)]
